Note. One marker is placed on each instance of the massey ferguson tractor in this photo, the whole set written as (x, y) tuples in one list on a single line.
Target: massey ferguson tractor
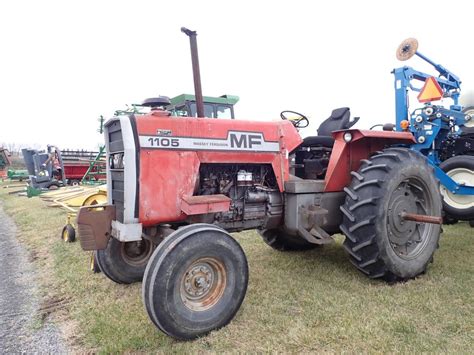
[(178, 186)]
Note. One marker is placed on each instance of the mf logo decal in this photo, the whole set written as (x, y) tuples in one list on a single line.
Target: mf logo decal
[(244, 140), (238, 141)]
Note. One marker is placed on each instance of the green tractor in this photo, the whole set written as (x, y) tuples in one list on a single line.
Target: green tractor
[(184, 105), (214, 107)]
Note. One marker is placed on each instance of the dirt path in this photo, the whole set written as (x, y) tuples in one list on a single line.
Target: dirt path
[(19, 301)]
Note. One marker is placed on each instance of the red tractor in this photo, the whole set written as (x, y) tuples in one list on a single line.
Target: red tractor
[(178, 186)]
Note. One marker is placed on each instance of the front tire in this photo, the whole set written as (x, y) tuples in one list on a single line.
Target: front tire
[(461, 170), (379, 242), (195, 281), (125, 263)]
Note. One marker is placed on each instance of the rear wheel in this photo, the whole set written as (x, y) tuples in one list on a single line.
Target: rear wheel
[(281, 241), (461, 170), (125, 263), (380, 243), (195, 281)]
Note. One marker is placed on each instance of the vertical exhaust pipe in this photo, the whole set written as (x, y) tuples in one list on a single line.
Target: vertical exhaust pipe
[(196, 73)]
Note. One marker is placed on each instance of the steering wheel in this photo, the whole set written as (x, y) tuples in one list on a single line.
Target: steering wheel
[(297, 119)]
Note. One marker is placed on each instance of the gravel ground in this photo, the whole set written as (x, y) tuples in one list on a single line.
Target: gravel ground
[(19, 301)]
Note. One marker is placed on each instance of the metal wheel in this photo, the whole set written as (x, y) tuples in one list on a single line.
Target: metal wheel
[(462, 176), (68, 233), (203, 284), (408, 238), (407, 49), (469, 111), (95, 199), (136, 253), (125, 263), (461, 170), (467, 100)]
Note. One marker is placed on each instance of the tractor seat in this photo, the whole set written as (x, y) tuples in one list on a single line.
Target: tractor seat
[(339, 119)]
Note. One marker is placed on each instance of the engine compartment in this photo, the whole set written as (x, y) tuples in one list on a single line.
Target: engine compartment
[(256, 199)]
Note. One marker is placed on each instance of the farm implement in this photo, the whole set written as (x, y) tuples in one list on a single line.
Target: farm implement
[(53, 168), (4, 163), (445, 135)]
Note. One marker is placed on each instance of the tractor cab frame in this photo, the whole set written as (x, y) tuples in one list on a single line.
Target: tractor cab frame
[(214, 107)]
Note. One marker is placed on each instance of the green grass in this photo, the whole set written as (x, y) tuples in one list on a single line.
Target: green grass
[(309, 301)]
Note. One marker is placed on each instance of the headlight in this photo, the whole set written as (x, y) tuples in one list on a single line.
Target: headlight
[(116, 161), (347, 137)]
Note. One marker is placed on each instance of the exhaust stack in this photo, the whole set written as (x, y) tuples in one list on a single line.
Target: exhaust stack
[(196, 73)]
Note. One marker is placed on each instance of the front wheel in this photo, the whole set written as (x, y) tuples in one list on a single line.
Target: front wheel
[(380, 242), (195, 281), (125, 263)]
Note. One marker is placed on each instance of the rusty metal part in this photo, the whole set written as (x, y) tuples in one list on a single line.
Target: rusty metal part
[(94, 226), (407, 49), (196, 72), (203, 283), (156, 234), (421, 218), (137, 253)]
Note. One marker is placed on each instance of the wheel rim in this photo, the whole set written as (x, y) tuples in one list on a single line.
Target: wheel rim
[(65, 235), (462, 176), (203, 284), (95, 199), (136, 253), (408, 238), (469, 111), (92, 262)]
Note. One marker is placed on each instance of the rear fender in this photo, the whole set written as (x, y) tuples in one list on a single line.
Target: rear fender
[(346, 157)]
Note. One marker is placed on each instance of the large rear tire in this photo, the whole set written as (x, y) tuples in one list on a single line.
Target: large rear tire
[(125, 263), (195, 281), (461, 170), (380, 243), (281, 241)]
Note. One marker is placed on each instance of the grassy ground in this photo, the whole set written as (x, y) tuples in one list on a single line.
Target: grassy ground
[(311, 301)]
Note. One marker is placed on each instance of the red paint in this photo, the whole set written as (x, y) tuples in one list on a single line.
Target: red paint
[(193, 205), (167, 177), (346, 157), (75, 170)]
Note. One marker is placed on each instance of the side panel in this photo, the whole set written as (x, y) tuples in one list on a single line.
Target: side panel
[(172, 150), (165, 176), (346, 157)]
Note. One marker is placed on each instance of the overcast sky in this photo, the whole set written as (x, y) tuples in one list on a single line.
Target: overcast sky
[(64, 63)]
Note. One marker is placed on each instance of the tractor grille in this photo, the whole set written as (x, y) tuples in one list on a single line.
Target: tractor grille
[(116, 167)]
